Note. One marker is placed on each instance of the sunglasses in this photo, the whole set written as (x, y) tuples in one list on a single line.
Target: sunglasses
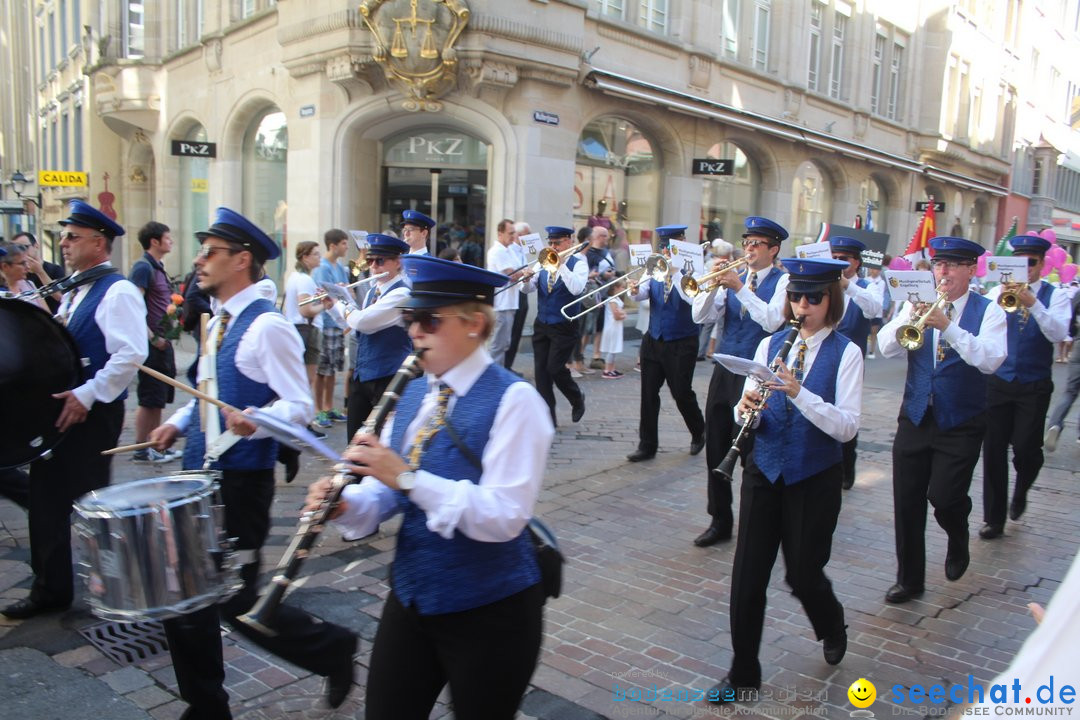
[(1033, 261), (812, 298), (747, 244), (429, 322), (207, 251), (380, 260), (952, 264)]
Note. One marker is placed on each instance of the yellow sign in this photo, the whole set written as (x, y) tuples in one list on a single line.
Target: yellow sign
[(200, 185), (60, 178)]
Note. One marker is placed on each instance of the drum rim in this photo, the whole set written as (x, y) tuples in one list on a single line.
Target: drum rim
[(208, 489)]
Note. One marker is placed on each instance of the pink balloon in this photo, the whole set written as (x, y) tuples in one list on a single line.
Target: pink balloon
[(980, 266), (900, 263), (1067, 273), (1056, 257), (1046, 270), (1049, 234)]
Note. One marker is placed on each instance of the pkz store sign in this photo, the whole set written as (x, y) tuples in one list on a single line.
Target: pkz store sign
[(435, 148), (191, 148), (713, 166)]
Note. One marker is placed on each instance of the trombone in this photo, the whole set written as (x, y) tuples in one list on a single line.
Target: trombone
[(319, 296), (548, 260), (692, 287), (656, 267), (911, 336)]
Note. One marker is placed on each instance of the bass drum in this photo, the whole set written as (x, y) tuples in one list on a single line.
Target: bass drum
[(39, 358)]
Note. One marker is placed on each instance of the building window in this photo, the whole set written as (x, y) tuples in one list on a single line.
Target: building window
[(1072, 104), (65, 142), (1036, 178), (613, 8), (63, 26), (265, 156), (54, 148), (813, 65), (729, 30), (653, 15), (247, 9), (194, 198), (875, 73), (727, 200), (41, 53), (811, 203), (132, 21), (76, 20), (52, 40), (761, 34), (896, 69), (77, 130), (836, 70)]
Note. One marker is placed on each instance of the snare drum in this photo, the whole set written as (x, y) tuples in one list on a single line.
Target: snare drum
[(153, 549)]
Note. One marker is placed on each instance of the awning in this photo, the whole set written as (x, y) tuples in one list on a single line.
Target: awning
[(627, 87)]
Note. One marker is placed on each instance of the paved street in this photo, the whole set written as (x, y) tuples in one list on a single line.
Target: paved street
[(641, 605)]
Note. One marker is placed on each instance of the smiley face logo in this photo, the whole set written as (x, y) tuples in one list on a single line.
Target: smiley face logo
[(862, 693)]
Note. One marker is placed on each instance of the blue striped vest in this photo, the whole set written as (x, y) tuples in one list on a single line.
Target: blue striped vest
[(380, 354), (1031, 355), (855, 326), (85, 330), (741, 334), (671, 320), (549, 303)]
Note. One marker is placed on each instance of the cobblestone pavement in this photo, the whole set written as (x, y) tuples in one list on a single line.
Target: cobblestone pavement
[(642, 607)]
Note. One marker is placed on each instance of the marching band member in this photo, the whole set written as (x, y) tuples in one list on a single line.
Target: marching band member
[(107, 319), (554, 336), (943, 414), (790, 496), (750, 305), (862, 303), (668, 353), (416, 229), (1018, 395), (462, 459), (382, 341), (257, 358)]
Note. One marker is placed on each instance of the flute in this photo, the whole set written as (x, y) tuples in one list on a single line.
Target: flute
[(319, 296)]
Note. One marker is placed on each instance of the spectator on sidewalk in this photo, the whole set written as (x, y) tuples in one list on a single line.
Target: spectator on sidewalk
[(332, 351)]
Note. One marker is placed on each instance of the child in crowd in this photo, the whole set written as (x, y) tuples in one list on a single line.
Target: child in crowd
[(611, 341)]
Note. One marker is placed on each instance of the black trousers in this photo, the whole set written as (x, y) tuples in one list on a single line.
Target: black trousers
[(486, 654), (849, 449), (195, 639), (363, 397), (75, 468), (935, 465), (15, 486), (671, 361), (552, 346), (725, 389), (799, 519), (515, 330), (1015, 416)]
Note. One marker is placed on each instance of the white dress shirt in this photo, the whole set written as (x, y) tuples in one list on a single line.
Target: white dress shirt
[(299, 283), (840, 419), (985, 351), (769, 315), (379, 315), (575, 280), (676, 287), (270, 352), (497, 507), (501, 258), (121, 317), (868, 299), (1053, 320)]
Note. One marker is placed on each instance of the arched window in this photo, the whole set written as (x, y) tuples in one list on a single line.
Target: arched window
[(194, 200), (726, 200), (870, 191), (266, 150), (811, 203), (616, 164), (956, 224)]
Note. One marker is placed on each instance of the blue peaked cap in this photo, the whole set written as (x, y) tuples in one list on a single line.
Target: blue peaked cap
[(1029, 244), (234, 227), (386, 245), (956, 247), (88, 216), (765, 228), (437, 283), (847, 244), (809, 275), (417, 218)]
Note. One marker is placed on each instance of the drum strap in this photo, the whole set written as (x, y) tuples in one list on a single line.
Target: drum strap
[(219, 446)]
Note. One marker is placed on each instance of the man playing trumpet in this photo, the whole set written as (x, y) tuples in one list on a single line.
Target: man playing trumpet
[(1019, 393), (942, 418)]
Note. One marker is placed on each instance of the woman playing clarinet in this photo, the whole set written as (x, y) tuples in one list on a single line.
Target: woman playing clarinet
[(791, 482), (462, 460)]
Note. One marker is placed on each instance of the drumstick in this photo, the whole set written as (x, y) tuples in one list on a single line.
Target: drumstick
[(204, 319), (128, 448), (186, 388)]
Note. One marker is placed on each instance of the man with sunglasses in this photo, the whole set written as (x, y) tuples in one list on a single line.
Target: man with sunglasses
[(382, 340), (668, 354), (749, 306), (256, 357), (862, 303), (1019, 393), (107, 319), (943, 415), (554, 337)]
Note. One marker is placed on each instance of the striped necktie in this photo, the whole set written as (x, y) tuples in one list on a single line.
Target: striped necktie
[(436, 421), (223, 325), (668, 283), (71, 304), (753, 289), (942, 346), (798, 366), (553, 278)]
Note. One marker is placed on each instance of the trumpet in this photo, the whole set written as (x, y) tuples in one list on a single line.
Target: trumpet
[(656, 267), (319, 296), (1009, 299), (911, 336), (705, 283), (547, 260)]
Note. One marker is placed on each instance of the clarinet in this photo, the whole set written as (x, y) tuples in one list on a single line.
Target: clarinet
[(726, 468), (261, 616)]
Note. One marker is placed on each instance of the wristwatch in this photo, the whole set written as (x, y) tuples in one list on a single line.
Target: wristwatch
[(406, 481)]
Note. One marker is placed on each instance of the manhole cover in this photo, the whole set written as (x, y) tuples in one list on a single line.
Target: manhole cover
[(128, 643)]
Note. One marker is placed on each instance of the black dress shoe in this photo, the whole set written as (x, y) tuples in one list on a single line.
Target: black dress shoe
[(989, 531), (835, 647), (726, 691), (1018, 505), (578, 410), (639, 455), (899, 594), (697, 444), (712, 535), (338, 685), (849, 482), (26, 608), (956, 560)]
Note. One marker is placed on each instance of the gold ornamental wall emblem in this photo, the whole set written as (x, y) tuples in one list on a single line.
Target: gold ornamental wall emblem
[(414, 45)]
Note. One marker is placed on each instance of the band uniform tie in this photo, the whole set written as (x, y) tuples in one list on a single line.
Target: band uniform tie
[(942, 346), (800, 362), (668, 282), (71, 304), (223, 325), (373, 297), (425, 433), (552, 279), (753, 289)]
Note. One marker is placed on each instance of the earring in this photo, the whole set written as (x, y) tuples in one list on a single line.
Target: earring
[(472, 334)]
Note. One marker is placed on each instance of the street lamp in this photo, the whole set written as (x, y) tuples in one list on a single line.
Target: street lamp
[(18, 184)]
